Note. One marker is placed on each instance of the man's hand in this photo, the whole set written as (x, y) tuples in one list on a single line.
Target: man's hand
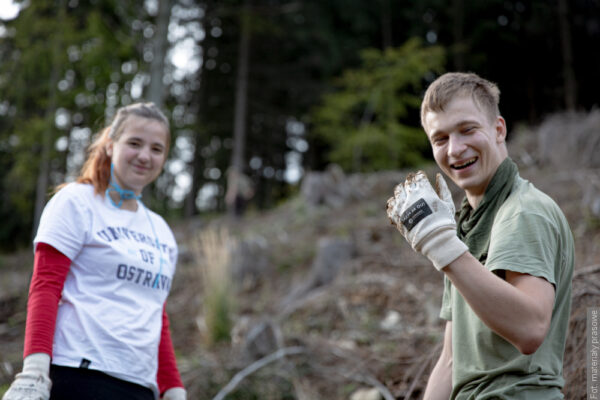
[(33, 383), (425, 217), (176, 393)]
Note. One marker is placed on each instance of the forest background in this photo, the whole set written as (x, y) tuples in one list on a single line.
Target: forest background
[(330, 298), (271, 88)]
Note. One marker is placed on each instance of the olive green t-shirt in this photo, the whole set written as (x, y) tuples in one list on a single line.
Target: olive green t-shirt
[(530, 235)]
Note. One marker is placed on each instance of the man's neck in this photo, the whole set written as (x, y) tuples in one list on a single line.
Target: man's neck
[(474, 199)]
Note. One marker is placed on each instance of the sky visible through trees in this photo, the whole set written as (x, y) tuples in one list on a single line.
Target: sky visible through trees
[(301, 83)]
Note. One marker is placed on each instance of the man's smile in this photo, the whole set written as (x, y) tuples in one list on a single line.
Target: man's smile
[(464, 164)]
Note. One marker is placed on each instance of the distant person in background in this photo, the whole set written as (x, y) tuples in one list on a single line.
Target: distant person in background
[(239, 191), (96, 321), (507, 268)]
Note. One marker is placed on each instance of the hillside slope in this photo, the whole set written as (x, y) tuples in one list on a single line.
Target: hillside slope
[(334, 288)]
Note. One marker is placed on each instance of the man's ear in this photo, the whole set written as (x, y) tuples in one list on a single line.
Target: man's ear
[(500, 130)]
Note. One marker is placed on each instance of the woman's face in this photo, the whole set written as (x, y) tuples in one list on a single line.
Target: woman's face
[(139, 153)]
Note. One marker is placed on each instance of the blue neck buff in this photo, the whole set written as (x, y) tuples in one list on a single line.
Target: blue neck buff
[(124, 194)]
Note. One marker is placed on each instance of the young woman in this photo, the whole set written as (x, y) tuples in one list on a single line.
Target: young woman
[(96, 324)]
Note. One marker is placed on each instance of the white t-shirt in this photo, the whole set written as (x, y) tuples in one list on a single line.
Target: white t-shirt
[(110, 313)]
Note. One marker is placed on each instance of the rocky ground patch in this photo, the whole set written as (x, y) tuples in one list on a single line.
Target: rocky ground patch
[(325, 299)]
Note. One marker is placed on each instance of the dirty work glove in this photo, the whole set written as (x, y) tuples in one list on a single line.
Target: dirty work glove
[(425, 217), (176, 393), (33, 383)]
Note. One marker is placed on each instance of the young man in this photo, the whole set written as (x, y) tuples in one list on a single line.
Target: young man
[(507, 268)]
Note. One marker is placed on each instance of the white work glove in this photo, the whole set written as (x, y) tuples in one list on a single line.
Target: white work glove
[(425, 217), (33, 383), (176, 393)]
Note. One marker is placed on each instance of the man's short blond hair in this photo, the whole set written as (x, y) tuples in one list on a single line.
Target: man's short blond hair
[(485, 94)]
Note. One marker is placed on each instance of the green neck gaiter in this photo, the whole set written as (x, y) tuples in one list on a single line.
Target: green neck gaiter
[(475, 226)]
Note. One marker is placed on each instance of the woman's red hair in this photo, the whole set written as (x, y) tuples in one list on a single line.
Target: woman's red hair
[(96, 169)]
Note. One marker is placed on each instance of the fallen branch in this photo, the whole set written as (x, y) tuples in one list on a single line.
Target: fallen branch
[(591, 269), (370, 379), (421, 370), (366, 378), (255, 366), (585, 292)]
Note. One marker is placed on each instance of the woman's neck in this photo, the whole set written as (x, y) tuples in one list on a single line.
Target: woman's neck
[(126, 204)]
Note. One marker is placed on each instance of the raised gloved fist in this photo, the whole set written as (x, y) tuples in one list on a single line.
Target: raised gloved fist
[(33, 383), (425, 217), (176, 393)]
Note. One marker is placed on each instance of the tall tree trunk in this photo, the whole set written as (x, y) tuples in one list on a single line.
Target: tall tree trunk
[(386, 24), (241, 93), (567, 56), (156, 91), (532, 114), (458, 11), (197, 166), (41, 189)]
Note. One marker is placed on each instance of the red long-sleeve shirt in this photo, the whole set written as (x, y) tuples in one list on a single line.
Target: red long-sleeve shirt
[(49, 274)]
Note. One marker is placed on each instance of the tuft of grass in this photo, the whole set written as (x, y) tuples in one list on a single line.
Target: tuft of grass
[(214, 248)]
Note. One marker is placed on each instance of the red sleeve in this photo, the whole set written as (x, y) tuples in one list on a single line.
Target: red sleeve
[(168, 375), (50, 271)]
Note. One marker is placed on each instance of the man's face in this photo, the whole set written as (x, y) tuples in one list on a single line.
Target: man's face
[(468, 145)]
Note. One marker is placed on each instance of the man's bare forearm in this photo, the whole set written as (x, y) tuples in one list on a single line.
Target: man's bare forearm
[(527, 301), (439, 385)]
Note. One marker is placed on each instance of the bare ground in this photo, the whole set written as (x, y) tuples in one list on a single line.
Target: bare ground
[(374, 326)]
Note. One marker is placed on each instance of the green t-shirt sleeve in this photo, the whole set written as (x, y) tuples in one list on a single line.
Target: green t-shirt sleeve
[(446, 311), (524, 242)]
